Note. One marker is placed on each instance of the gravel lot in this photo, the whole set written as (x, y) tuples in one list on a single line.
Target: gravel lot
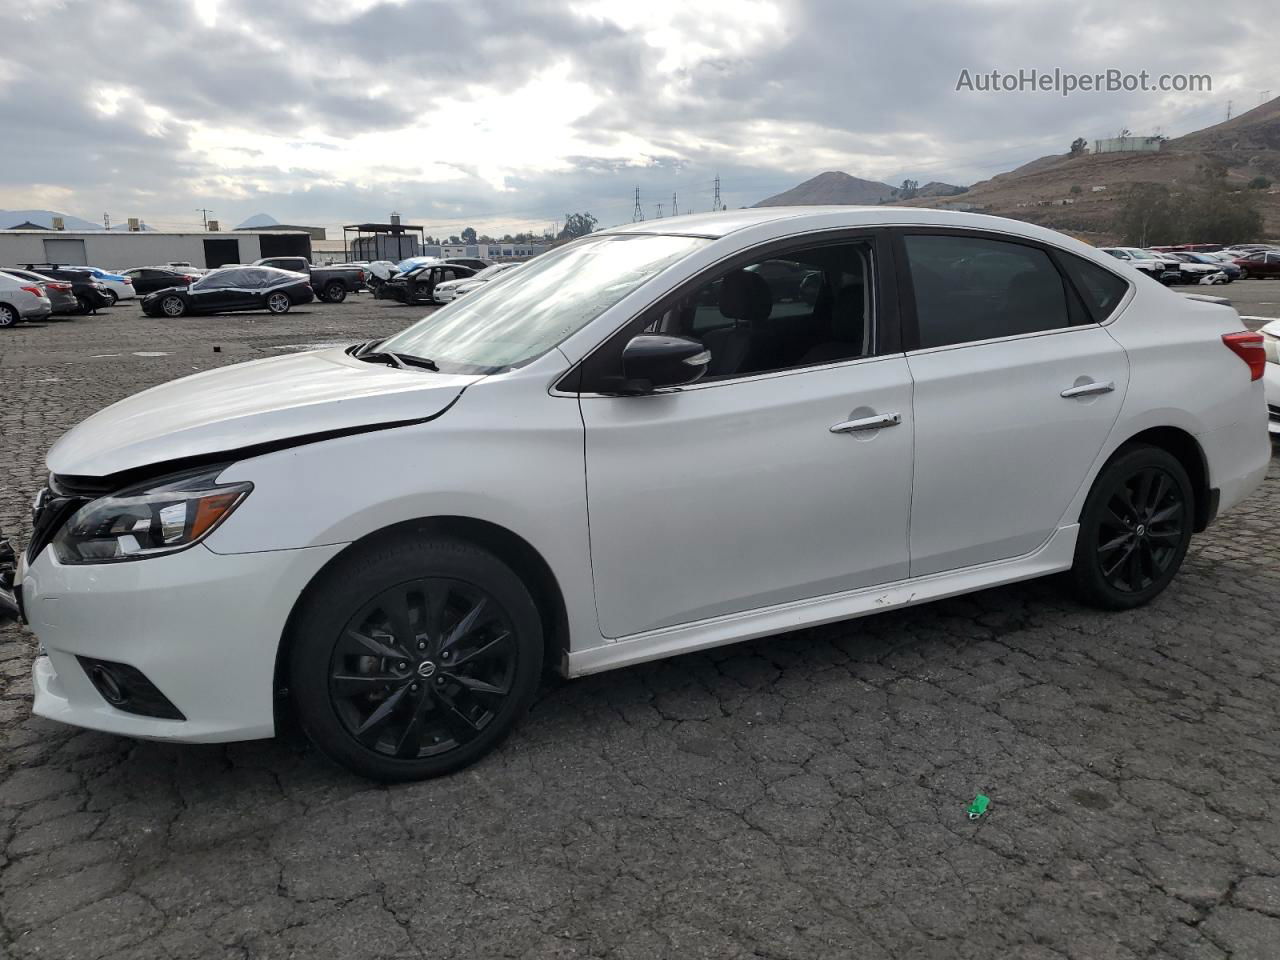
[(800, 796)]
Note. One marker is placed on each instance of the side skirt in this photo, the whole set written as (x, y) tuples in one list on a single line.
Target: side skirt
[(1054, 556)]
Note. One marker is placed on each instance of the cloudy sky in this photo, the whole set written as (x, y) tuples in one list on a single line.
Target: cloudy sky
[(507, 113)]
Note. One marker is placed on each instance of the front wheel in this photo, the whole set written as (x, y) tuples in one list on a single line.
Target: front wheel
[(1134, 530), (415, 657), (1244, 274), (173, 306), (111, 297), (278, 303)]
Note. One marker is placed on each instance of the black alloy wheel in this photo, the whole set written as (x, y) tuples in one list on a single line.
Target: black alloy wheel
[(335, 292), (413, 656), (173, 306), (1134, 530)]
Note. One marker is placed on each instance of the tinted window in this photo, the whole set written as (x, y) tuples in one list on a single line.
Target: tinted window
[(971, 288), (1102, 290), (808, 307)]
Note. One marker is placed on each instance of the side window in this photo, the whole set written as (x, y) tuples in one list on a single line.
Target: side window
[(806, 307), (972, 288), (1102, 290)]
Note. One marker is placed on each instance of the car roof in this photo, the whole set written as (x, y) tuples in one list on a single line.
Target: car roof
[(789, 220)]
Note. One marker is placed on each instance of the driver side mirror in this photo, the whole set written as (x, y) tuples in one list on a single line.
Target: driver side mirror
[(651, 360)]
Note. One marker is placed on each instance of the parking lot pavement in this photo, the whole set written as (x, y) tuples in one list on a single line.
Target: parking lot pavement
[(798, 796), (1252, 298)]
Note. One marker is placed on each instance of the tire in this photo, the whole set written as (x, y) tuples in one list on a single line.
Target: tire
[(9, 316), (1244, 274), (335, 292), (444, 714), (173, 306), (1134, 529), (112, 299), (279, 303)]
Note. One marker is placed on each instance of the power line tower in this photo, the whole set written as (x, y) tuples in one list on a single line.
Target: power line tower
[(1228, 109), (675, 209), (106, 221), (1263, 97), (637, 214), (659, 215), (716, 202)]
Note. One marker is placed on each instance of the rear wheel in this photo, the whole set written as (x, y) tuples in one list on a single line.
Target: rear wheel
[(1244, 274), (9, 315), (1134, 530), (335, 292), (414, 658), (111, 297), (278, 303), (173, 306)]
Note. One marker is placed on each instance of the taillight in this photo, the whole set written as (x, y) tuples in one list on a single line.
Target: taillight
[(60, 286), (34, 291), (1249, 348), (362, 276), (128, 281)]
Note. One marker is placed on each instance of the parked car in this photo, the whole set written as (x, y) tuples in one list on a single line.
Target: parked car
[(119, 287), (1271, 378), (1260, 263), (475, 263), (91, 294), (150, 279), (592, 466), (1197, 271), (418, 285), (232, 289), (1227, 267), (450, 290), (331, 284), (1158, 268), (21, 300), (61, 293)]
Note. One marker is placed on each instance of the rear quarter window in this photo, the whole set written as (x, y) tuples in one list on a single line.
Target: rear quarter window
[(1101, 289)]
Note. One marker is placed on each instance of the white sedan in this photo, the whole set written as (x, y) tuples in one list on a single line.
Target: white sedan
[(639, 445), (21, 300), (450, 290), (1271, 379)]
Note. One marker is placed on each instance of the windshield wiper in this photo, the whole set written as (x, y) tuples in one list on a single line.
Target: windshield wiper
[(402, 360)]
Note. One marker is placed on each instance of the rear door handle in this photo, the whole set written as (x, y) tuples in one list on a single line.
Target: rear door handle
[(867, 423), (1088, 389)]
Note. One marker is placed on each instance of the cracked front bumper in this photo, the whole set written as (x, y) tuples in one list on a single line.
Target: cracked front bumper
[(203, 627)]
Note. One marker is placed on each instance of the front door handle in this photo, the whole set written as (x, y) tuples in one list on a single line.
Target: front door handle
[(867, 423), (1088, 389)]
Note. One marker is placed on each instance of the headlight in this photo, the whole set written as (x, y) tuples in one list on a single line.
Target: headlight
[(1271, 346), (149, 520)]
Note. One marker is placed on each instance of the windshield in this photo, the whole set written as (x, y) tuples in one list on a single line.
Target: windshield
[(510, 323)]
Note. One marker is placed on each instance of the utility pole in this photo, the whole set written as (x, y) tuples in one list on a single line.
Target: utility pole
[(716, 202), (205, 214), (675, 209), (637, 214), (1228, 109)]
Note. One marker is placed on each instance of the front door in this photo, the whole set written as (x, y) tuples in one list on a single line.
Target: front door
[(736, 493), (1016, 391)]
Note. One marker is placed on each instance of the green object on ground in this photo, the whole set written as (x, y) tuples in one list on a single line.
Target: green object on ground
[(979, 806)]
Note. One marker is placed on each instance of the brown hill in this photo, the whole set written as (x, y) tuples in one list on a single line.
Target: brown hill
[(831, 187), (1081, 194)]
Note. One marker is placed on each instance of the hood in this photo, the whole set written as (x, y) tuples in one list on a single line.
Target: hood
[(254, 404)]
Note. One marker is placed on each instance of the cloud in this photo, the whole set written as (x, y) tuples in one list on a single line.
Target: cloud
[(519, 111)]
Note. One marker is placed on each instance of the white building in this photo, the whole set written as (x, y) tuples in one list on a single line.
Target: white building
[(1127, 145), (148, 248)]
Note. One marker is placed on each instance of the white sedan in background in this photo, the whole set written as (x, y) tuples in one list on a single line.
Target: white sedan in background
[(638, 445), (21, 300), (452, 289), (1271, 379)]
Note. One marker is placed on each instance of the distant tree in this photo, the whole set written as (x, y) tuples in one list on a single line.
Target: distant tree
[(1218, 215), (1079, 147), (1147, 216), (577, 225), (1259, 183), (507, 238), (909, 189), (453, 238), (469, 235), (1076, 188)]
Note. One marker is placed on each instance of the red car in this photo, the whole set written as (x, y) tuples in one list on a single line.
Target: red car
[(1260, 263)]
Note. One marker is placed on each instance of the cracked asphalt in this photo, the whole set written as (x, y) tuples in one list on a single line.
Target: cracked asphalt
[(800, 796)]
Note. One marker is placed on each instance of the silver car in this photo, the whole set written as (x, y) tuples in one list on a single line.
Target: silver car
[(21, 300)]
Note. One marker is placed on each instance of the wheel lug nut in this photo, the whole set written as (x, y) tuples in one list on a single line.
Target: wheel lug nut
[(445, 655), (422, 645), (413, 688), (440, 681), (403, 665)]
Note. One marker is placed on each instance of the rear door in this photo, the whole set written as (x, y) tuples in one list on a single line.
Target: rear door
[(1016, 390)]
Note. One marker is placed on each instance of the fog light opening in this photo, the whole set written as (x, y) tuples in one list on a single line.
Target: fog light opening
[(108, 686)]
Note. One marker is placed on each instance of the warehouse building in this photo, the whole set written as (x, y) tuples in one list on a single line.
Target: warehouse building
[(148, 248)]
